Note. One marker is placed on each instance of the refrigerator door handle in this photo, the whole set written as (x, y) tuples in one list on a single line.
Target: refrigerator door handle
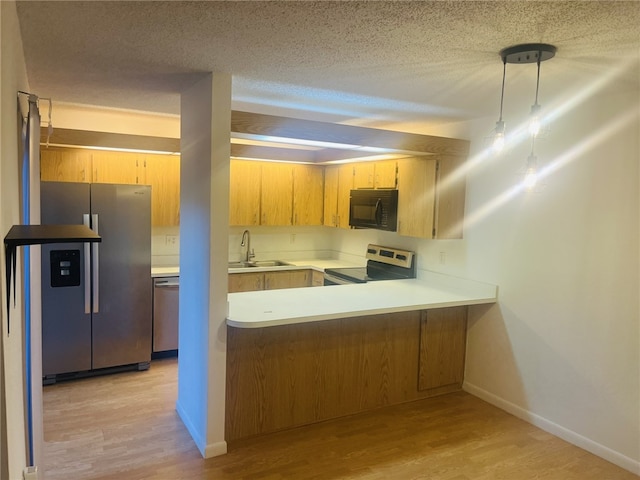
[(96, 265), (87, 268)]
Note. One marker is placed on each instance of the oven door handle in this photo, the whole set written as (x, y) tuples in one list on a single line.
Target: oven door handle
[(333, 280)]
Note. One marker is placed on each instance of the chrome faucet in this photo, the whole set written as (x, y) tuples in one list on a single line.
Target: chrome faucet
[(246, 242)]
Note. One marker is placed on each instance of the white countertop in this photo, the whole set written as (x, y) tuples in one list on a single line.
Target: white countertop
[(299, 305), (315, 264)]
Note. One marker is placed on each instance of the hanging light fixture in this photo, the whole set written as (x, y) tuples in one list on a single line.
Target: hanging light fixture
[(498, 132), (525, 53)]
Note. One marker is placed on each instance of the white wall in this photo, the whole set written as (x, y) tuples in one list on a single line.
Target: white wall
[(13, 77), (561, 348), (204, 199)]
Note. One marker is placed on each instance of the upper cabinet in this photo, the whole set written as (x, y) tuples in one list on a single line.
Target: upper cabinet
[(65, 165), (381, 174), (431, 195), (117, 167), (244, 192), (277, 194), (339, 181), (162, 172), (308, 192)]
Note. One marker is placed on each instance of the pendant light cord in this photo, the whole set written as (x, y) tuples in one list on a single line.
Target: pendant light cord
[(504, 76), (538, 78)]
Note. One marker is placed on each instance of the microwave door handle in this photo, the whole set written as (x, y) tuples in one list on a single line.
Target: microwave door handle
[(379, 212)]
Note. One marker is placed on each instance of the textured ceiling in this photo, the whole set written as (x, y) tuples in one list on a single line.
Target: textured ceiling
[(336, 61)]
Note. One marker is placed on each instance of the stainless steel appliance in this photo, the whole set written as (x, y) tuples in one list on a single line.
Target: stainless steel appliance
[(383, 263), (374, 209), (166, 292), (96, 299)]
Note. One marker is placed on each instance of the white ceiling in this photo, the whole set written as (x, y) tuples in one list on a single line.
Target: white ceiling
[(368, 62)]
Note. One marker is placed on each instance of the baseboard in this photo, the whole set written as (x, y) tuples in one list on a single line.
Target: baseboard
[(206, 450), (197, 438), (215, 449), (559, 431)]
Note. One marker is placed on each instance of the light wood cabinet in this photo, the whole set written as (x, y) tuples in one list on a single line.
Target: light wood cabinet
[(287, 279), (65, 165), (416, 196), (443, 333), (431, 195), (338, 186), (285, 376), (246, 282), (162, 172), (451, 192), (317, 278), (331, 176), (381, 174), (308, 192), (117, 167), (276, 203), (274, 280), (244, 192)]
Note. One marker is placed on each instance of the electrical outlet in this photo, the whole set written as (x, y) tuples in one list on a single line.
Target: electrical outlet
[(171, 239), (443, 258), (292, 239)]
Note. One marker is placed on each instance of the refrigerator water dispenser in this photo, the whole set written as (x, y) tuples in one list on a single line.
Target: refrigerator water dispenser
[(65, 268)]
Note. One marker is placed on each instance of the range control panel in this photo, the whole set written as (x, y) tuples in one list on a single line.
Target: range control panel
[(391, 256)]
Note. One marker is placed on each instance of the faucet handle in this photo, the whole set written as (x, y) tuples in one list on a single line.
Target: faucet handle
[(252, 254)]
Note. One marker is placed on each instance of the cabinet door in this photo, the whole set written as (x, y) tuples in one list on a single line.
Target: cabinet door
[(385, 174), (443, 333), (246, 282), (65, 165), (277, 194), (331, 176), (317, 278), (162, 172), (117, 167), (345, 185), (244, 192), (308, 189), (287, 279), (450, 197), (416, 196), (363, 175)]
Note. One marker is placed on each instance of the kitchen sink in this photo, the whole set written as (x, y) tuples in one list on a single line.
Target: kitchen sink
[(258, 263)]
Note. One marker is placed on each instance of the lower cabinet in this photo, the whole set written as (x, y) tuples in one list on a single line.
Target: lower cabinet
[(443, 336), (251, 281), (290, 375)]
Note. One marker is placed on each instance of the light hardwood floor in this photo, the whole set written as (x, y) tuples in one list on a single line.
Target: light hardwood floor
[(124, 426)]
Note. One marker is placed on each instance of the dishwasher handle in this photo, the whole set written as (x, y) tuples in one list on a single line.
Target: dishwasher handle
[(166, 283)]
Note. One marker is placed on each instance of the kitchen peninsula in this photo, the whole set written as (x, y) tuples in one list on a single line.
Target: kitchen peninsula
[(300, 356)]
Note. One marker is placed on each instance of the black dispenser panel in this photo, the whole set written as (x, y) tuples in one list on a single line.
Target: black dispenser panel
[(65, 268)]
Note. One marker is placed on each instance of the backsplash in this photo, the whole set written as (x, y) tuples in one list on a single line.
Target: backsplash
[(300, 243)]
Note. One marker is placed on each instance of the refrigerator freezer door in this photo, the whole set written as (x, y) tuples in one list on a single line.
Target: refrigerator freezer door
[(66, 328), (122, 326)]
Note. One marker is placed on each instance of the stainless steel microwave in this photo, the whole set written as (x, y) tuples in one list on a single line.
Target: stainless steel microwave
[(370, 208)]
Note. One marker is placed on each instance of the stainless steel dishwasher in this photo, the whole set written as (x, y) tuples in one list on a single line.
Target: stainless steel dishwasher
[(165, 313)]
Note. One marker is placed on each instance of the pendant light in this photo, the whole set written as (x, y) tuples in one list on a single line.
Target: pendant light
[(498, 132), (518, 54)]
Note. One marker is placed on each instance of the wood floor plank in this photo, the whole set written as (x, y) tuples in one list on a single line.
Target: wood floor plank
[(124, 427)]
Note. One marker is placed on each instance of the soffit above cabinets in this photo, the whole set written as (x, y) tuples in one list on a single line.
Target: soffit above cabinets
[(268, 137)]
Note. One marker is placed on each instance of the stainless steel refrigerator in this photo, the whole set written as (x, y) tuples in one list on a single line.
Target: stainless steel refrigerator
[(97, 300)]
